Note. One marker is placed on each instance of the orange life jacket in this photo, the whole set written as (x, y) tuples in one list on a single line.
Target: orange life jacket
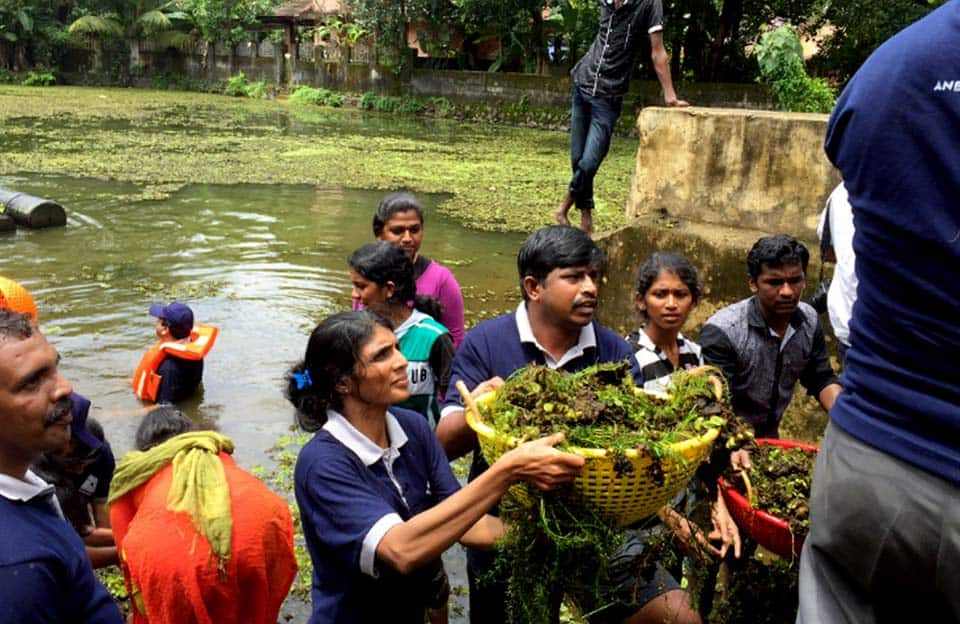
[(146, 381)]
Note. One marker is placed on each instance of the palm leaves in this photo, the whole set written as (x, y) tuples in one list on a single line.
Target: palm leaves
[(97, 26), (136, 21)]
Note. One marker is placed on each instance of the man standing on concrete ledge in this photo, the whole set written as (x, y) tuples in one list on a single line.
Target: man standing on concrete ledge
[(600, 80), (884, 540)]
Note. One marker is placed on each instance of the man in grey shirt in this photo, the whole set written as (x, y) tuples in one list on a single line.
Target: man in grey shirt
[(600, 80), (766, 343)]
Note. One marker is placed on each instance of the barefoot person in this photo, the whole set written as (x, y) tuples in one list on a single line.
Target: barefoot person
[(378, 500), (600, 81)]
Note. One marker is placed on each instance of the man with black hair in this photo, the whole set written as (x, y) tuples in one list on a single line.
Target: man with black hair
[(81, 472), (600, 80), (45, 576), (766, 343), (554, 325)]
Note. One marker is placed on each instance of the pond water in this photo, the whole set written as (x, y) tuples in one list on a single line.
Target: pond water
[(262, 263)]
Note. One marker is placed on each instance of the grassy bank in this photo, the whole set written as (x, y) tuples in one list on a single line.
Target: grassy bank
[(496, 177)]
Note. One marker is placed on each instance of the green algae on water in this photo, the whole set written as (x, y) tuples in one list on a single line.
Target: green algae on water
[(495, 177)]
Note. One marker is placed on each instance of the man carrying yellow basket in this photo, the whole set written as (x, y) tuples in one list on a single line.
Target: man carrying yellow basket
[(554, 325)]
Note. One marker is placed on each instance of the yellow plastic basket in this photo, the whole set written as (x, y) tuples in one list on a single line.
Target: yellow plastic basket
[(626, 497)]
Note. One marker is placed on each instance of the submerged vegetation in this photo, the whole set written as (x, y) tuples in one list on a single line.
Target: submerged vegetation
[(279, 477), (495, 177)]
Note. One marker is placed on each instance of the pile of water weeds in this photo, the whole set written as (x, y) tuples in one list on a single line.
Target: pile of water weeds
[(780, 480), (558, 546), (599, 407)]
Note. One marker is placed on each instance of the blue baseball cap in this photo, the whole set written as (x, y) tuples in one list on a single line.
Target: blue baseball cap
[(78, 426), (179, 317)]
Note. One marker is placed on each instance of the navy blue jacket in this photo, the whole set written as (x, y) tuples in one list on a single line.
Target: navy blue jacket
[(45, 576), (895, 136)]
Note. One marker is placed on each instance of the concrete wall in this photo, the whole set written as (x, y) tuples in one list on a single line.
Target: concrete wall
[(309, 65), (554, 91), (760, 170), (718, 253), (356, 70)]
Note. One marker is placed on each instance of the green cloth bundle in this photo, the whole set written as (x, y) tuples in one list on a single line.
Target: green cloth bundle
[(198, 487)]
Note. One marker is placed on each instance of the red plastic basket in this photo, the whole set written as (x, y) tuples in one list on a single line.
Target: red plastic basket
[(771, 532)]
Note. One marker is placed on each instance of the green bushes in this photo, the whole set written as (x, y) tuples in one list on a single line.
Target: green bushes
[(40, 78), (405, 105), (303, 94), (171, 81), (442, 107), (367, 100), (239, 86), (780, 57)]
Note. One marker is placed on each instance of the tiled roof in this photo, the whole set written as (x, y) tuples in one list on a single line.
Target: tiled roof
[(300, 8)]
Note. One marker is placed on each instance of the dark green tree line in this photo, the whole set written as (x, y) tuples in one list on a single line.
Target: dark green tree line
[(709, 40)]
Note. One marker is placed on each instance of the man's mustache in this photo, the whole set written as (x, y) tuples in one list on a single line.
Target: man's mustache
[(59, 412), (585, 301)]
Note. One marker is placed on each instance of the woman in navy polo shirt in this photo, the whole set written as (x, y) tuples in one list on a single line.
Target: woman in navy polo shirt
[(377, 498)]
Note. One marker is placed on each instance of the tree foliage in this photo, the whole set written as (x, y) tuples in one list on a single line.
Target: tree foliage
[(862, 25), (780, 57), (223, 20), (708, 39), (25, 33)]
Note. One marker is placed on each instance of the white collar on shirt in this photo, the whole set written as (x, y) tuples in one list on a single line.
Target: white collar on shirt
[(364, 448), (28, 488), (25, 489), (415, 317), (587, 339), (644, 341)]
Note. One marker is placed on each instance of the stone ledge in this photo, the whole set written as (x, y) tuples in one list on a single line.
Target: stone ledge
[(760, 170)]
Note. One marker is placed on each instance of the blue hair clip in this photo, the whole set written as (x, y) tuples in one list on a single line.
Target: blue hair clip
[(303, 379)]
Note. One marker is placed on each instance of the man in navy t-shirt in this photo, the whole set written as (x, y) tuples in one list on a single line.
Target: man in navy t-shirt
[(45, 576), (884, 540), (81, 474), (552, 326)]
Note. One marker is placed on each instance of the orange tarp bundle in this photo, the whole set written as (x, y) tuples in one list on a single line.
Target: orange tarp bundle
[(171, 572)]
